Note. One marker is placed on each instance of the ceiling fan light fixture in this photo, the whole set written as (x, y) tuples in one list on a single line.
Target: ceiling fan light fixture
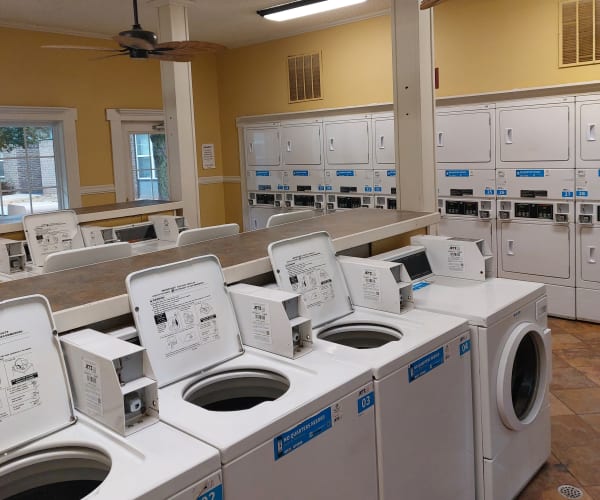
[(301, 8)]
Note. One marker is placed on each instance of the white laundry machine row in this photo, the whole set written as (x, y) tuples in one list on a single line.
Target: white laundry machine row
[(536, 232), (49, 450), (511, 355), (420, 364), (290, 429), (467, 204)]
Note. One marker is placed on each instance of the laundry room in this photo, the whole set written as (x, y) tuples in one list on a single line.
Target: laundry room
[(326, 249)]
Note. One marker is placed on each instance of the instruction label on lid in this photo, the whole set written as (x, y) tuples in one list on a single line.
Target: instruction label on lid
[(19, 378), (184, 317), (54, 237), (310, 278)]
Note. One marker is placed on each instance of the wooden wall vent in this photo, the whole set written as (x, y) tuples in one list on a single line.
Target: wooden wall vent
[(304, 74), (579, 28)]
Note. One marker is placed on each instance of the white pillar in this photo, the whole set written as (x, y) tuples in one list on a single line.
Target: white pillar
[(178, 104), (414, 105)]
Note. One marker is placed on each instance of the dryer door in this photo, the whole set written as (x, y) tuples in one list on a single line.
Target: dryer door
[(524, 375)]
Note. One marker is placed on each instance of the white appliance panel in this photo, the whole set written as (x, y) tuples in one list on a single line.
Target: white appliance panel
[(384, 181), (465, 139), (477, 183), (347, 143), (588, 256), (588, 132), (385, 141), (552, 184), (262, 147), (587, 184), (587, 301), (304, 179), (301, 144)]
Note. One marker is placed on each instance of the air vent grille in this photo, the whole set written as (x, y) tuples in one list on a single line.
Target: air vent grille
[(579, 32), (304, 75)]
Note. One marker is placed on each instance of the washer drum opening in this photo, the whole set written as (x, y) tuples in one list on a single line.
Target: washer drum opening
[(61, 473), (236, 390), (360, 336)]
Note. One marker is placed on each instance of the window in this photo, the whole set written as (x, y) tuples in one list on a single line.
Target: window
[(38, 160), (150, 180)]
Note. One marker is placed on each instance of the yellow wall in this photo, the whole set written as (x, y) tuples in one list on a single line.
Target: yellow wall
[(495, 45)]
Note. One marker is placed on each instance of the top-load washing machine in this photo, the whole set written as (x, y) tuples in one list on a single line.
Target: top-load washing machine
[(420, 363), (285, 429), (511, 348), (48, 450)]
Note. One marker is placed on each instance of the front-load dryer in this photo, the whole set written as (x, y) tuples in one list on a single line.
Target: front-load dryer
[(512, 366), (50, 451), (285, 429), (421, 368)]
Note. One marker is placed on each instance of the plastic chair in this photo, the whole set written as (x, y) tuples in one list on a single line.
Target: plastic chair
[(78, 257), (278, 219), (16, 209), (197, 235)]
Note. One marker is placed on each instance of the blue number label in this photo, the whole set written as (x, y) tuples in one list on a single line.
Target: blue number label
[(214, 494), (365, 402)]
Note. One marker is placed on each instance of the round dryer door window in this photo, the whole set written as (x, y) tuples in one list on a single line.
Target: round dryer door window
[(523, 375)]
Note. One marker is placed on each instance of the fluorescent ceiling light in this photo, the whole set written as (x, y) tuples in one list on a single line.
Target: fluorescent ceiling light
[(303, 8)]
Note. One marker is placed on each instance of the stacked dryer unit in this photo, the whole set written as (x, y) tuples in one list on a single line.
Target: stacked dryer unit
[(384, 157), (465, 162), (348, 170), (587, 194), (535, 159)]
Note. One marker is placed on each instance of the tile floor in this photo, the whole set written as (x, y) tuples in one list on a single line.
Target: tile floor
[(575, 401)]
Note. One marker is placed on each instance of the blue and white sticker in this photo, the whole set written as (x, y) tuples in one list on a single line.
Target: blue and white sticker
[(286, 188), (328, 188), (300, 173), (567, 194), (368, 189), (264, 187), (488, 192), (378, 189), (391, 173), (465, 347), (501, 192), (365, 402), (213, 494), (419, 285), (262, 173), (530, 173), (321, 187), (344, 173), (581, 193), (424, 365), (457, 173), (301, 434)]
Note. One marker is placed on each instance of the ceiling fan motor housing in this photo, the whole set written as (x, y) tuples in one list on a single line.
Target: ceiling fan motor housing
[(139, 34)]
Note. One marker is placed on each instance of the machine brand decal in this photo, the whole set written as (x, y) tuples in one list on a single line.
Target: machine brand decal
[(581, 194), (300, 173), (262, 173), (501, 192), (530, 173), (391, 173), (301, 434), (93, 388), (365, 402), (378, 189), (567, 194), (260, 319), (419, 285), (215, 494), (344, 173), (488, 191), (425, 364), (457, 173), (465, 347)]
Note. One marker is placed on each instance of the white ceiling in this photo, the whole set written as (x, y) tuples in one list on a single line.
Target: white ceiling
[(233, 23)]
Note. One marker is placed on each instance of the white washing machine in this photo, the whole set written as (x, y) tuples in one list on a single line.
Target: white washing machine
[(47, 450), (285, 429), (512, 366), (421, 368)]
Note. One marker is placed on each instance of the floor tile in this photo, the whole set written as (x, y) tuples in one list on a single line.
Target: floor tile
[(569, 431), (565, 341), (580, 356), (580, 400), (557, 407), (570, 378), (584, 462), (592, 372), (593, 419), (558, 362), (544, 485), (594, 491)]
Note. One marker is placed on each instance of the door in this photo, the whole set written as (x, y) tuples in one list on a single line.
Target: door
[(465, 138), (385, 145), (301, 144), (589, 253), (262, 147), (589, 131), (535, 249), (347, 143)]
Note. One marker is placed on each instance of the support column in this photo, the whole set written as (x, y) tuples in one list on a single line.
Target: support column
[(414, 105), (178, 105)]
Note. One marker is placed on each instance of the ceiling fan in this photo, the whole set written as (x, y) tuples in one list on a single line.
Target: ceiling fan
[(138, 43)]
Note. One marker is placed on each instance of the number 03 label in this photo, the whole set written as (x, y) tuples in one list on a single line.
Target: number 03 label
[(365, 402)]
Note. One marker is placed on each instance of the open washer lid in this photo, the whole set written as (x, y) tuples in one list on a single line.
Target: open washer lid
[(307, 265), (184, 316), (51, 232), (35, 398)]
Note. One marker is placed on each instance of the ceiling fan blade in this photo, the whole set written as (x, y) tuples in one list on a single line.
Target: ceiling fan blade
[(190, 45), (169, 56), (80, 47), (427, 4), (133, 43)]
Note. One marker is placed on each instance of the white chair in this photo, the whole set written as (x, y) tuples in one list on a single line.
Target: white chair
[(13, 209), (278, 219), (78, 257), (197, 235)]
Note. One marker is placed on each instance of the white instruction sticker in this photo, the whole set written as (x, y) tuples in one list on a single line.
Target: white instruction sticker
[(310, 278), (456, 258), (93, 388), (371, 286), (54, 237), (261, 322), (19, 379), (185, 318)]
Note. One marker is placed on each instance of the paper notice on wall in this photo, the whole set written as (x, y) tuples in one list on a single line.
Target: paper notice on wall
[(19, 378), (184, 317), (456, 258), (261, 322), (309, 276), (371, 286), (208, 156)]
